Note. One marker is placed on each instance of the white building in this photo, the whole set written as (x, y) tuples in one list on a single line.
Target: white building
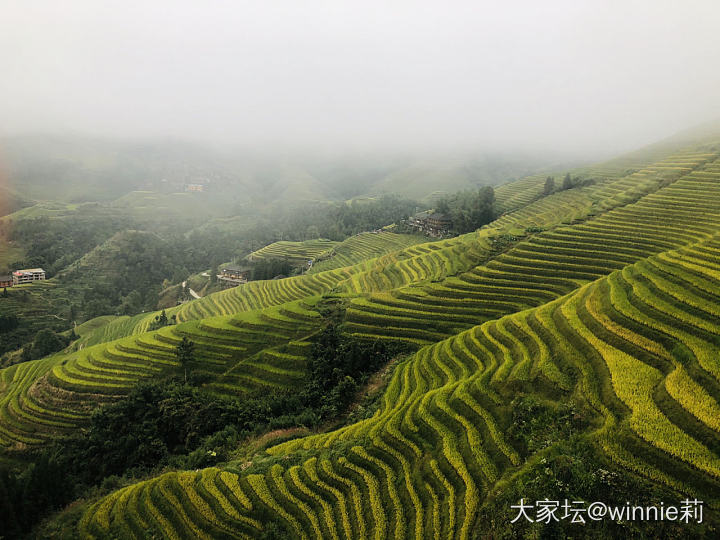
[(28, 276)]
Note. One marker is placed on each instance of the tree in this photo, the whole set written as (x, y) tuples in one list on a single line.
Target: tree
[(312, 232), (185, 353), (469, 210), (269, 268), (549, 185), (567, 182), (442, 206), (131, 304), (46, 342), (8, 323), (160, 321)]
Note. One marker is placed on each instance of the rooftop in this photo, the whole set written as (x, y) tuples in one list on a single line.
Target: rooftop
[(235, 268), (29, 271)]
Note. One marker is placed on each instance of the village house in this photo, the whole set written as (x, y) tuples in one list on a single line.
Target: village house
[(28, 276), (418, 220), (6, 281), (235, 275), (197, 184), (439, 224), (431, 224)]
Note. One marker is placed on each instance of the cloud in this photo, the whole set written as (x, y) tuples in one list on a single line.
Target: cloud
[(405, 74)]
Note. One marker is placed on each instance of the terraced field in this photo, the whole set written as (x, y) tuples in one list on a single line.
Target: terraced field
[(551, 263), (255, 295), (514, 195), (117, 328), (37, 305), (362, 247), (419, 262), (296, 252), (607, 296), (242, 354), (423, 464), (604, 193), (431, 261)]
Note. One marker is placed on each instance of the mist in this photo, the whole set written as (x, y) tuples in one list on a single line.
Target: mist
[(591, 78)]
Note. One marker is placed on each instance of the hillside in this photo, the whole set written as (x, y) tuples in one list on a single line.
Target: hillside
[(10, 201), (426, 180), (36, 307), (569, 348)]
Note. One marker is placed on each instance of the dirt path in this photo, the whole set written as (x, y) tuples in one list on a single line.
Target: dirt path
[(192, 293)]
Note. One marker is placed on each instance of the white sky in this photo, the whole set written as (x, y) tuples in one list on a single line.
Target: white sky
[(573, 75)]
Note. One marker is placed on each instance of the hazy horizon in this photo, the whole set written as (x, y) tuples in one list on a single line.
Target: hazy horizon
[(591, 79)]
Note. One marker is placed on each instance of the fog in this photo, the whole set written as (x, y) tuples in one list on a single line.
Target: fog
[(586, 77)]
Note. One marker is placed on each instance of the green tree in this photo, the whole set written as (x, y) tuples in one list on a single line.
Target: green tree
[(46, 342), (549, 185), (269, 268), (160, 321), (469, 210), (10, 502), (442, 206), (312, 232), (131, 304), (185, 353), (567, 182), (8, 323)]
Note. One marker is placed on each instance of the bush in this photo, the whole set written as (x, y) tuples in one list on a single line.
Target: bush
[(46, 342)]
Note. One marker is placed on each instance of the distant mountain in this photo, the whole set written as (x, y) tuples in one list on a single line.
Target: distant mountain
[(427, 179), (81, 169)]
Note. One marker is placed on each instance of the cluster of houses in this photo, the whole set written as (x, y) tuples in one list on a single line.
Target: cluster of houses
[(234, 275), (20, 277), (196, 187), (432, 224)]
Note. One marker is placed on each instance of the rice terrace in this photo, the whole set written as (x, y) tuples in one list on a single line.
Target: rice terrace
[(451, 324)]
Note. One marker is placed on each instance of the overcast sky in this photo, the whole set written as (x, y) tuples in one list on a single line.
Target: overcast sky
[(570, 75)]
